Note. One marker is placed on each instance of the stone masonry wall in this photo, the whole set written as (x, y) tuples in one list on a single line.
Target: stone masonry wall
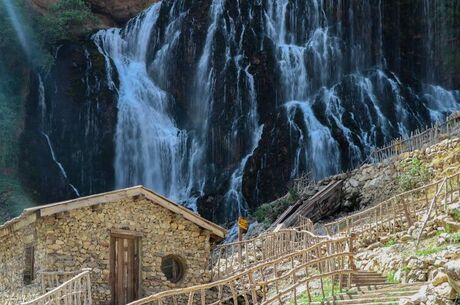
[(12, 257), (81, 238)]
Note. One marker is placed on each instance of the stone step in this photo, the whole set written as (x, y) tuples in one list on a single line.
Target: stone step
[(389, 287), (377, 293), (383, 295), (382, 299)]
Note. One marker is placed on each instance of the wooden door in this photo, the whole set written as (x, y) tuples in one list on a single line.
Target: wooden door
[(124, 268)]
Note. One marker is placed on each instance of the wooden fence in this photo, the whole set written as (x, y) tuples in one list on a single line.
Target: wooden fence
[(226, 259), (281, 280), (418, 139), (400, 211), (52, 279), (75, 291)]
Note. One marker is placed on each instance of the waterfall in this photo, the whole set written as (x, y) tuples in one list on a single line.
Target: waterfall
[(322, 154), (149, 145), (192, 114), (42, 107)]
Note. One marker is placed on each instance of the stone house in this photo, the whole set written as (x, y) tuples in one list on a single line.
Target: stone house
[(136, 241)]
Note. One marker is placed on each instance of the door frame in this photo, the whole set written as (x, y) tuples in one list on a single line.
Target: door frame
[(125, 234)]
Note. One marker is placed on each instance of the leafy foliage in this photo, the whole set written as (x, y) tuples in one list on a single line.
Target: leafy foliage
[(391, 278), (65, 19), (268, 212), (417, 175), (390, 243)]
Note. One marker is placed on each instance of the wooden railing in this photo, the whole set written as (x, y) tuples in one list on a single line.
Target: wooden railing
[(400, 211), (226, 259), (75, 291), (277, 281), (303, 223), (418, 139), (52, 279)]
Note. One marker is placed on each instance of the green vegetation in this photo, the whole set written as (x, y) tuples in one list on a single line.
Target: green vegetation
[(391, 278), (415, 176), (267, 213), (65, 20), (317, 295), (454, 238), (455, 214), (428, 251), (390, 242)]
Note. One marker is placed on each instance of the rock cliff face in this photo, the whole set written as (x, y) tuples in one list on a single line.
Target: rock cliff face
[(218, 104), (68, 135), (111, 12), (120, 11)]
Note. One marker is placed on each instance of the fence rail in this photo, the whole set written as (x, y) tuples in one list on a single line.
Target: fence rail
[(277, 281), (52, 279), (75, 291), (226, 259), (418, 139), (400, 211)]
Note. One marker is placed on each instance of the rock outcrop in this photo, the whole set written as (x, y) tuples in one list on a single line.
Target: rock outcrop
[(110, 12)]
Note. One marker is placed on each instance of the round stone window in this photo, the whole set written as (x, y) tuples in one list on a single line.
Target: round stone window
[(173, 268)]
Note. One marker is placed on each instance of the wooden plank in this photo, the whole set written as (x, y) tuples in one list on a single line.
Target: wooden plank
[(112, 262), (119, 290), (130, 270), (126, 233)]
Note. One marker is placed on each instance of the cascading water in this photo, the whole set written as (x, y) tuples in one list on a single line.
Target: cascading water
[(221, 102), (150, 148), (149, 145), (42, 108)]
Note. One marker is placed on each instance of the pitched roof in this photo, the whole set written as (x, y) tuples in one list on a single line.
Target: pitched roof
[(113, 196)]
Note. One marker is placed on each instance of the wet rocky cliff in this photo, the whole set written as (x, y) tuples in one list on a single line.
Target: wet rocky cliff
[(218, 104)]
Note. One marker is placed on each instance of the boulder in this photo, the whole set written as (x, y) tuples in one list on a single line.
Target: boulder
[(439, 279), (452, 270), (445, 291)]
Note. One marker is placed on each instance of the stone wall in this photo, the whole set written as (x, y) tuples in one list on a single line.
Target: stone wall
[(80, 238), (12, 260), (374, 183)]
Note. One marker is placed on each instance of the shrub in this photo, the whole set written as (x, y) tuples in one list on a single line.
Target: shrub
[(391, 278), (417, 175), (65, 19), (390, 242), (455, 214), (268, 212)]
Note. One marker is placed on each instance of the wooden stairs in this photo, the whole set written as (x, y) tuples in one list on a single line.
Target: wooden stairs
[(371, 288)]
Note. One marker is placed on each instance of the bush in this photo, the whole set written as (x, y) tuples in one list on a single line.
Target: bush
[(390, 243), (267, 213), (64, 20), (417, 175), (391, 278)]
